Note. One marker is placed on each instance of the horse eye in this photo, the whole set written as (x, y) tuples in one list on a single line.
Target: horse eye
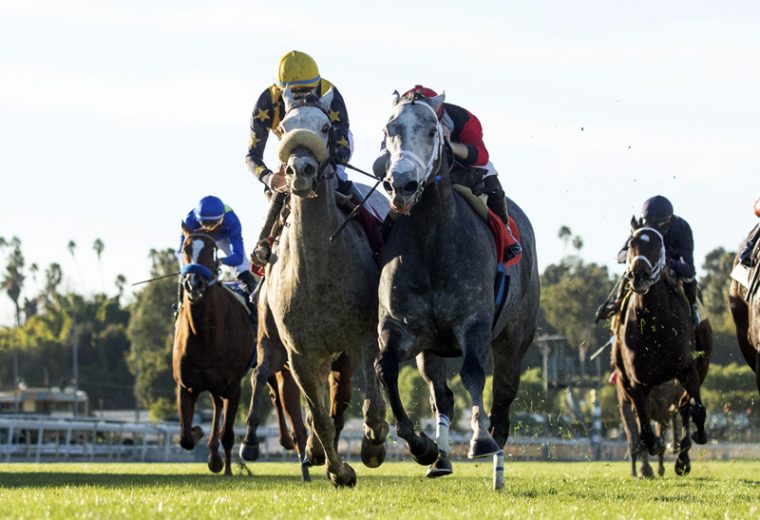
[(325, 128), (432, 132)]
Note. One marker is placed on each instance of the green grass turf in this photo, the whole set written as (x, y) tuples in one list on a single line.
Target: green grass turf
[(714, 489)]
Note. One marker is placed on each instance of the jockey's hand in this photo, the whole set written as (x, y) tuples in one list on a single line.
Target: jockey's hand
[(276, 181), (445, 133), (340, 154)]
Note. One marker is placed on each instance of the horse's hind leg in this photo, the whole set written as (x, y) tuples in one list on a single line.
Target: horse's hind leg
[(341, 371), (189, 435), (290, 397), (477, 344), (659, 429), (286, 440), (228, 430), (392, 337), (640, 397), (433, 371), (215, 461), (628, 419), (506, 381), (683, 462), (308, 374)]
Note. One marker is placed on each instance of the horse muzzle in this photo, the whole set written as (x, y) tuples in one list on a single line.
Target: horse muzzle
[(402, 188), (195, 287), (301, 172)]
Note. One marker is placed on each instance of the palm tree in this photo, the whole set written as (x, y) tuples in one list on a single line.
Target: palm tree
[(72, 248), (120, 282), (564, 234), (577, 243), (99, 246), (13, 283), (53, 278)]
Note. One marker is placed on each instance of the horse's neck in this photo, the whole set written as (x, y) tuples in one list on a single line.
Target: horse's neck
[(435, 209), (310, 225), (200, 314), (658, 299)]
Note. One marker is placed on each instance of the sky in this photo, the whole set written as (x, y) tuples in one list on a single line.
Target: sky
[(116, 117)]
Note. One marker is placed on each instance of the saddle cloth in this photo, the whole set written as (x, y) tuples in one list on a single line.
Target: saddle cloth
[(504, 238)]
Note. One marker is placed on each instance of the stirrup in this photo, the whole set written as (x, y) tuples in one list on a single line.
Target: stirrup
[(512, 251), (695, 314)]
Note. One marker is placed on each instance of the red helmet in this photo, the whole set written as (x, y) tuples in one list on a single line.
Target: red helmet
[(420, 91)]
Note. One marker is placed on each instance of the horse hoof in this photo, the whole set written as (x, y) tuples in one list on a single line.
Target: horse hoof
[(315, 457), (424, 450), (699, 437), (661, 470), (187, 444), (373, 455), (480, 448), (250, 452), (441, 467), (215, 462), (196, 432), (646, 472), (683, 466), (346, 476), (286, 442), (657, 448)]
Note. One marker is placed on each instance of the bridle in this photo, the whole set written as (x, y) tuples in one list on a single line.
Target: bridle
[(201, 270), (310, 100), (658, 267), (433, 163)]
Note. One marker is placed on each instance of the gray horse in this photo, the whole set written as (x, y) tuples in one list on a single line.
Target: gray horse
[(437, 290), (322, 295)]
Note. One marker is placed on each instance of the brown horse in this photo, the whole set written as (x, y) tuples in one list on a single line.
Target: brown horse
[(213, 349), (655, 338), (746, 313)]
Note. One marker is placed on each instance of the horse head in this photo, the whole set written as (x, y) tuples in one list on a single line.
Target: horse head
[(414, 144), (199, 264), (646, 257), (304, 147)]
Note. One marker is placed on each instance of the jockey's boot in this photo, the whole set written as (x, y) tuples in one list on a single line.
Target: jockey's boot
[(612, 305), (497, 202), (250, 285), (263, 250), (745, 257), (690, 289)]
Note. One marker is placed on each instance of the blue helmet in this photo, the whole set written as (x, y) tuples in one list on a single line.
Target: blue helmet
[(210, 211)]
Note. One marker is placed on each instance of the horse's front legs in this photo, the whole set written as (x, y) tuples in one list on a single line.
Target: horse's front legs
[(290, 399), (689, 378), (422, 448), (375, 427), (189, 435), (215, 462), (640, 396), (308, 374), (683, 461), (433, 371), (231, 403)]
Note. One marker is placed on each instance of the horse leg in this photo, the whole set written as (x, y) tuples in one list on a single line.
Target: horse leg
[(308, 379), (683, 462), (477, 347), (640, 397), (189, 435), (507, 358), (286, 440), (433, 371), (290, 397), (375, 426), (659, 429), (215, 462), (228, 430), (757, 370), (628, 419), (422, 448), (690, 381), (341, 371), (270, 358)]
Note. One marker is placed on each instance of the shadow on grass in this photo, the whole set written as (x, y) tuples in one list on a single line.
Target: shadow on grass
[(117, 480)]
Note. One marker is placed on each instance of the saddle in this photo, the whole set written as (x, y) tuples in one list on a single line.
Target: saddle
[(749, 277)]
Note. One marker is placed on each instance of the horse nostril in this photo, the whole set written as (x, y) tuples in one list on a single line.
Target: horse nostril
[(411, 187), (387, 187), (289, 170), (309, 169)]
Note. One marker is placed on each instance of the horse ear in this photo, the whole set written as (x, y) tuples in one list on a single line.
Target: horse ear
[(395, 98), (634, 223), (185, 230), (326, 99), (437, 101), (288, 98)]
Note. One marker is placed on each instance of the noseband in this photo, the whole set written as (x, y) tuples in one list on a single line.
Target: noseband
[(312, 101), (433, 164), (659, 265)]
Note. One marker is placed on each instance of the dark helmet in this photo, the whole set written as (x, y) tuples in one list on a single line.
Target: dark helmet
[(657, 212), (210, 212)]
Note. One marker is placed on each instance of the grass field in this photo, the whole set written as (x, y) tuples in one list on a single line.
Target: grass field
[(396, 490)]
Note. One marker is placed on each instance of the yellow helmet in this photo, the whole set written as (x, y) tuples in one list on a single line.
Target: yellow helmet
[(297, 69)]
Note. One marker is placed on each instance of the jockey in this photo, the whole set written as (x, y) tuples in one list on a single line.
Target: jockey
[(745, 257), (464, 134), (298, 71), (657, 213), (217, 219)]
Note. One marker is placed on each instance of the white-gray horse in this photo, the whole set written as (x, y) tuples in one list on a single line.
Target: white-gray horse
[(322, 295), (437, 289)]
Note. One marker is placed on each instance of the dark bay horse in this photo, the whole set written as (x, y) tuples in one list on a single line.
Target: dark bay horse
[(437, 290), (213, 348), (745, 310), (655, 339), (321, 295)]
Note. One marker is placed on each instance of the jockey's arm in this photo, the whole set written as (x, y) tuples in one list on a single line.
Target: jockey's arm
[(237, 249), (261, 123), (341, 144), (683, 263), (467, 139)]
